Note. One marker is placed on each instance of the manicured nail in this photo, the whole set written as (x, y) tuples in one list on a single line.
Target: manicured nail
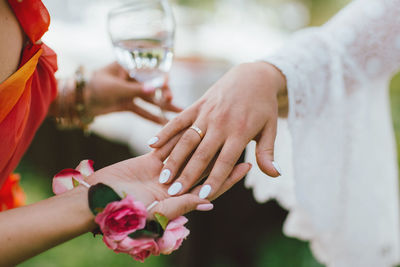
[(152, 140), (164, 176), (205, 191), (205, 207), (174, 188), (277, 168)]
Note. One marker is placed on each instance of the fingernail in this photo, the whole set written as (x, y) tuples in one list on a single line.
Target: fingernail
[(164, 176), (277, 168), (152, 140), (174, 188), (205, 207), (205, 191)]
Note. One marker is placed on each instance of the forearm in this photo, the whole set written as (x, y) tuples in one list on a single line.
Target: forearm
[(30, 230)]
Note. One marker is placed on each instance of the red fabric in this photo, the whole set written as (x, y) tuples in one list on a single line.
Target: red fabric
[(33, 17), (26, 95)]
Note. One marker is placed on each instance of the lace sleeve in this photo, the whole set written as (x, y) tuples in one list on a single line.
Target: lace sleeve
[(341, 184), (361, 43)]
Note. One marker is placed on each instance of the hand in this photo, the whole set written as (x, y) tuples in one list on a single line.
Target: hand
[(139, 177), (111, 89), (240, 107)]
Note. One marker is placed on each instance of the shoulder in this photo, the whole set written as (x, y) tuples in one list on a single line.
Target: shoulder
[(11, 41)]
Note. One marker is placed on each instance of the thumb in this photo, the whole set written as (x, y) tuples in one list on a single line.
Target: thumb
[(265, 150), (174, 207)]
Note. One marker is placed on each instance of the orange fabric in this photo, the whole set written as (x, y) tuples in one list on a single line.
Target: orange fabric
[(11, 193), (11, 90), (26, 95)]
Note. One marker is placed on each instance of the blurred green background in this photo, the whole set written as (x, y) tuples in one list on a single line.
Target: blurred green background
[(53, 150)]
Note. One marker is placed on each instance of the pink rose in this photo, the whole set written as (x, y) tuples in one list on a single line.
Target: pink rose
[(173, 235), (139, 249), (121, 218)]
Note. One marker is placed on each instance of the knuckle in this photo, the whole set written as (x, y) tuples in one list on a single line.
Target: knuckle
[(221, 118), (171, 162), (190, 201), (264, 151), (160, 208), (243, 123), (177, 121), (202, 155), (226, 161), (186, 139)]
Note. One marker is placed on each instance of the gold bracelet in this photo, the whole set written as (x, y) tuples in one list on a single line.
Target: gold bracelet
[(80, 104), (73, 115)]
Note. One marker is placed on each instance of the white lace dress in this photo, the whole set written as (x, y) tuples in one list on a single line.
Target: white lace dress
[(340, 181)]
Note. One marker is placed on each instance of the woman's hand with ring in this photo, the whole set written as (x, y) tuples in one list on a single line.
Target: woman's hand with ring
[(139, 177), (240, 107)]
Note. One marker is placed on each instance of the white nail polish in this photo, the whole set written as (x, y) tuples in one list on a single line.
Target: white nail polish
[(152, 140), (174, 188), (277, 168), (205, 191), (164, 176)]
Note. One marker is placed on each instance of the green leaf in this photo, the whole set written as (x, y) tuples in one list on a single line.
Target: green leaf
[(143, 233), (75, 182), (99, 196), (152, 229), (162, 220)]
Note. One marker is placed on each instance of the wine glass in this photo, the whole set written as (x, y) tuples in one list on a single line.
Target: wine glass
[(142, 33)]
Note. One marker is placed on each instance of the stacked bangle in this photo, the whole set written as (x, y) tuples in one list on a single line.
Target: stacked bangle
[(71, 103)]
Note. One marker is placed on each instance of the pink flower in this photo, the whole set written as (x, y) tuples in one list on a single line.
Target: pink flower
[(173, 235), (62, 181), (139, 249), (121, 218), (85, 167)]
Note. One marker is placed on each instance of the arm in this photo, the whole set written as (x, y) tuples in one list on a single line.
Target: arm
[(109, 89), (28, 231), (357, 46), (360, 44)]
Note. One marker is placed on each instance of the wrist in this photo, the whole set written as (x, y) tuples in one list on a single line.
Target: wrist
[(71, 107), (272, 80), (78, 211), (272, 75)]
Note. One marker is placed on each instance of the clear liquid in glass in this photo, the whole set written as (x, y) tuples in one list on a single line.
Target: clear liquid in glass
[(147, 60)]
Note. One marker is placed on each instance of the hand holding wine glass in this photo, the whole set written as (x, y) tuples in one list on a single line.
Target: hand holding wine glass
[(142, 34)]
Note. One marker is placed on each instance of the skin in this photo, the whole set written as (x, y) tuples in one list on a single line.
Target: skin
[(110, 89), (242, 106), (30, 230), (12, 40)]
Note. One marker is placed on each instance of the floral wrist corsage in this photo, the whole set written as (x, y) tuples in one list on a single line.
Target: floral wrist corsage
[(123, 220)]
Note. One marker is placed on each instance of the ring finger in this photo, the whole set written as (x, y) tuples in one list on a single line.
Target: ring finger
[(197, 164), (188, 143)]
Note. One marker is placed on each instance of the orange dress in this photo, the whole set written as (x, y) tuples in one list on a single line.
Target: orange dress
[(25, 97)]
